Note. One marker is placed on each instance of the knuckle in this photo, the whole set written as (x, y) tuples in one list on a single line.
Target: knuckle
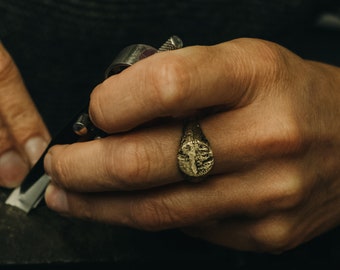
[(132, 169), (151, 214), (271, 58), (273, 235), (281, 135), (289, 194), (261, 58), (292, 137), (171, 81), (283, 192)]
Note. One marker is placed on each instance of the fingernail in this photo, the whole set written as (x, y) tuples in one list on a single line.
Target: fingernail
[(56, 199), (34, 148), (13, 169)]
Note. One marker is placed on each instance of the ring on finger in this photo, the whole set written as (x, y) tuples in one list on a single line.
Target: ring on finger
[(195, 157)]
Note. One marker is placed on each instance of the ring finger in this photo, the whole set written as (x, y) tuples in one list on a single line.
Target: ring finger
[(147, 157), (136, 160)]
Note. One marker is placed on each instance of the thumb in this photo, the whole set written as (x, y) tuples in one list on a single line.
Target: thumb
[(23, 135)]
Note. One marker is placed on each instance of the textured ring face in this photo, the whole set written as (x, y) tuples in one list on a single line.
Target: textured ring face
[(195, 156)]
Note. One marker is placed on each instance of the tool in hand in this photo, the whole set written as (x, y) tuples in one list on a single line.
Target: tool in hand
[(80, 128)]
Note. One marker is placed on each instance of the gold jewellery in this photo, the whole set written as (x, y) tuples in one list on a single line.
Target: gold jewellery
[(195, 156)]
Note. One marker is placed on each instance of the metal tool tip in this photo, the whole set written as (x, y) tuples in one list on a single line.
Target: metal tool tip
[(173, 43)]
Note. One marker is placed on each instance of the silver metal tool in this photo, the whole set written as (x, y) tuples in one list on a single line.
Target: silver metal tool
[(31, 192)]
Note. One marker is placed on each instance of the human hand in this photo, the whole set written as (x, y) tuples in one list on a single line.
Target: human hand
[(273, 126), (23, 135)]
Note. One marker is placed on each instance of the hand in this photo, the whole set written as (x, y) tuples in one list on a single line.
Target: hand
[(272, 122), (23, 135)]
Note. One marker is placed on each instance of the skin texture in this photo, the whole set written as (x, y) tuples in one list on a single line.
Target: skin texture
[(23, 135), (271, 119)]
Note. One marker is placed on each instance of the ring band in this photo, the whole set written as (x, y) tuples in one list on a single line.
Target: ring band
[(195, 156)]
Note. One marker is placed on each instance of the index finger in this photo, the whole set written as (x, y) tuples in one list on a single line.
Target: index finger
[(172, 83)]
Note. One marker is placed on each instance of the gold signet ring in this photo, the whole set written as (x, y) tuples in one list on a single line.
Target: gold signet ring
[(195, 156)]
